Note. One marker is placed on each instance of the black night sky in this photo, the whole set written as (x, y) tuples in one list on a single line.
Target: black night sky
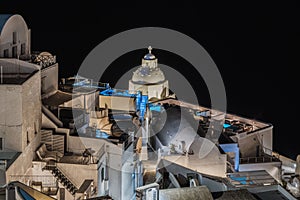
[(256, 48)]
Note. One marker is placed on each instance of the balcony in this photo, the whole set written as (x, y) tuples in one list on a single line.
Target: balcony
[(46, 184), (260, 159)]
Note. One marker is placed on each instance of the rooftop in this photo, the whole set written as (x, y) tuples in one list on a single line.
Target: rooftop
[(15, 72), (7, 158)]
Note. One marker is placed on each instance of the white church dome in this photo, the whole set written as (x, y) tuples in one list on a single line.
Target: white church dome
[(148, 72)]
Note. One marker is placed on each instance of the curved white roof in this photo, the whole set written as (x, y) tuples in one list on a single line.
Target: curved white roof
[(147, 75), (148, 72), (4, 18)]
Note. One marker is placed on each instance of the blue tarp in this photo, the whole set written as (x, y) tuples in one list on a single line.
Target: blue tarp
[(156, 108), (113, 92), (101, 134), (233, 147), (25, 195)]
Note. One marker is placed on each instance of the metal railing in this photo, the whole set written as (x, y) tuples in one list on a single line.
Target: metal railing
[(65, 175), (47, 181), (100, 153), (261, 159)]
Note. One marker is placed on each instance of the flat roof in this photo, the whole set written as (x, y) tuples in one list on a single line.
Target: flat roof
[(233, 194), (15, 72), (57, 98), (9, 157)]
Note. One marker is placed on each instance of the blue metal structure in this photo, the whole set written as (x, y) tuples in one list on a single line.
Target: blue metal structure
[(138, 100), (244, 180), (87, 84), (154, 107), (143, 106), (226, 125), (116, 92), (233, 147)]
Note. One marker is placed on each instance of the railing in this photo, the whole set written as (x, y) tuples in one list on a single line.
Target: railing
[(100, 153), (261, 159), (65, 180), (47, 181), (44, 60), (267, 151)]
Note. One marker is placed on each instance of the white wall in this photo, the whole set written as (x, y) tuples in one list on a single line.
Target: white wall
[(113, 157), (127, 181), (117, 103), (49, 79), (79, 144), (154, 90), (248, 143), (81, 100), (24, 161), (20, 107), (11, 116), (273, 168), (31, 108)]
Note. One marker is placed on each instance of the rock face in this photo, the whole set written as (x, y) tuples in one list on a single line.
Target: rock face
[(200, 192)]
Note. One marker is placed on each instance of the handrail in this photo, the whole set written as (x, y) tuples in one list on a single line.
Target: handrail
[(47, 180), (260, 159), (100, 152), (66, 176)]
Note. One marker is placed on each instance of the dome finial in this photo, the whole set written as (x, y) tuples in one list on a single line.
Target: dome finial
[(150, 49)]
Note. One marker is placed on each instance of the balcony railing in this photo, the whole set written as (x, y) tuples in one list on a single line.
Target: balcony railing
[(261, 159), (43, 59), (45, 180)]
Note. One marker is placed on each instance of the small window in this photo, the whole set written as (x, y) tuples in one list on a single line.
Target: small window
[(23, 48), (14, 37), (102, 174), (35, 128), (1, 144), (14, 52), (5, 53), (28, 138)]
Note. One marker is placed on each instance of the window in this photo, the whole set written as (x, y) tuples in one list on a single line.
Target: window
[(102, 174), (5, 53), (1, 144), (23, 48), (27, 134), (14, 52), (14, 37), (35, 128)]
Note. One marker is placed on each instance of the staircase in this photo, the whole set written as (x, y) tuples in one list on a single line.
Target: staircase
[(46, 138), (58, 143), (63, 179), (53, 142)]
